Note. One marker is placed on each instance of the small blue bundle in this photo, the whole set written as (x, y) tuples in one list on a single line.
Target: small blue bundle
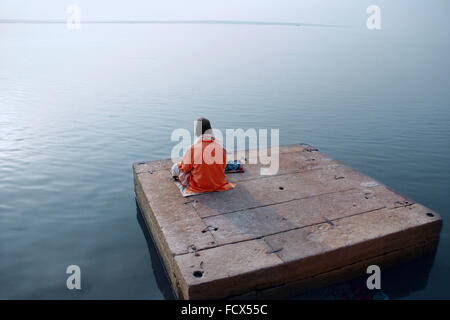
[(233, 166)]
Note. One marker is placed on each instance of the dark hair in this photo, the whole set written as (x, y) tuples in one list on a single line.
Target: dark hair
[(202, 125)]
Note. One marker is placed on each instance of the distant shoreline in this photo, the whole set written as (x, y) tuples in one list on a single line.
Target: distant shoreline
[(228, 22)]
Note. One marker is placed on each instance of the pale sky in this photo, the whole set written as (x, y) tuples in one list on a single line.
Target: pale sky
[(345, 12), (404, 16)]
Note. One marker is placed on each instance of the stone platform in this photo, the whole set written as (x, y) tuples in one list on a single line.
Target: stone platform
[(316, 222)]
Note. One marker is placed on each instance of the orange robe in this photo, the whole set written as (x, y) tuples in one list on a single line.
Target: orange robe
[(206, 161)]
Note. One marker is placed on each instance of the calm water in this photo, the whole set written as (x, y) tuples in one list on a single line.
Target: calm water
[(78, 108)]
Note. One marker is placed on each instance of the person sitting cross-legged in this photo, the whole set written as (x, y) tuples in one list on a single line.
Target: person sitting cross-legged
[(202, 168)]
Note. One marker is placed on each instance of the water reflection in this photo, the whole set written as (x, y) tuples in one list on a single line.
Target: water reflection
[(162, 280), (397, 281), (401, 280)]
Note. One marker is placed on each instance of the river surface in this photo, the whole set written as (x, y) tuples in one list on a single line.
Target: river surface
[(77, 108)]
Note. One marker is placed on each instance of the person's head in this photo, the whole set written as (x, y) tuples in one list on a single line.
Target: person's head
[(202, 126)]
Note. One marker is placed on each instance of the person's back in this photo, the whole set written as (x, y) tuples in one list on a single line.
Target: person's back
[(204, 163)]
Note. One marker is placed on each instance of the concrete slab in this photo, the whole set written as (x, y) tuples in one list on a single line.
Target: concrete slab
[(314, 222)]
